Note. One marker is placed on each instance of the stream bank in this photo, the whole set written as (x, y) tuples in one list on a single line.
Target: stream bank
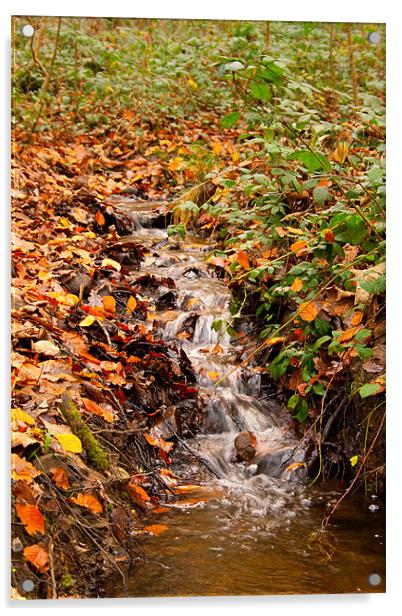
[(241, 524)]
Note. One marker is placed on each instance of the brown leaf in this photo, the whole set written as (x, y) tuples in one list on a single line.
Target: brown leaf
[(89, 501), (60, 477), (22, 469), (37, 557), (31, 517)]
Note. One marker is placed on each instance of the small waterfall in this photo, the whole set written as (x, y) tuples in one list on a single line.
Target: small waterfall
[(205, 334), (229, 393)]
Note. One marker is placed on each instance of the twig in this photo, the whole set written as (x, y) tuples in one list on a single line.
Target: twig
[(51, 565)]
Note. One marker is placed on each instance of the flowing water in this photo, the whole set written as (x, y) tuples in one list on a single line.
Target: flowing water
[(244, 527)]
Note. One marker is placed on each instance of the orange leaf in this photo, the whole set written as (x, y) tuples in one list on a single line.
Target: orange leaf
[(151, 440), (89, 501), (37, 557), (275, 340), (100, 219), (297, 285), (109, 303), (136, 493), (296, 246), (217, 349), (93, 407), (348, 334), (131, 304), (155, 529), (357, 318), (243, 259), (60, 477), (22, 469), (31, 517), (308, 311)]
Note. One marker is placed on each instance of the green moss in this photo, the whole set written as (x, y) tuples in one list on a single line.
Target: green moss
[(97, 456), (67, 581)]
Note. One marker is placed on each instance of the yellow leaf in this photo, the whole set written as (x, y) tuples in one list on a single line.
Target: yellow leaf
[(299, 245), (21, 415), (308, 311), (111, 263), (87, 321), (297, 285), (275, 340), (213, 375), (341, 152), (193, 84), (217, 147), (235, 155), (131, 304), (70, 442), (176, 164), (354, 460)]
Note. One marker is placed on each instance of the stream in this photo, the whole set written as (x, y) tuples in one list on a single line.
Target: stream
[(240, 527)]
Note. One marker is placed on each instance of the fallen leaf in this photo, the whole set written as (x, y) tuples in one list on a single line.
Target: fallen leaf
[(70, 442), (46, 347), (93, 407), (275, 340), (20, 415), (37, 557), (136, 493), (109, 303), (111, 263), (60, 477), (31, 517), (348, 334), (22, 469), (89, 501), (100, 219), (87, 321), (357, 318), (297, 285), (155, 529), (299, 245), (308, 311), (131, 304), (243, 260)]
